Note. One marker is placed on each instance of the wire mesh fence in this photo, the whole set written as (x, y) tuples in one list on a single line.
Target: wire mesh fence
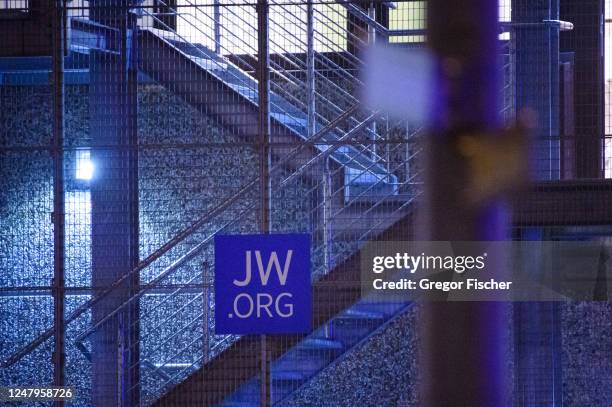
[(161, 150)]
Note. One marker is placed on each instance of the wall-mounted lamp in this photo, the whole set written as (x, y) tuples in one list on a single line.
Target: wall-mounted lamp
[(84, 165)]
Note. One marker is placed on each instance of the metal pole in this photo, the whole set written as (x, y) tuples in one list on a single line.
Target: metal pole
[(537, 375), (207, 280), (372, 41), (263, 76), (217, 22), (310, 69), (59, 357), (205, 317), (327, 216), (312, 129), (464, 342)]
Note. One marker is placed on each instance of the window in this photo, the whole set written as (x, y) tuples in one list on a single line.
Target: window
[(411, 15), (17, 5), (408, 16)]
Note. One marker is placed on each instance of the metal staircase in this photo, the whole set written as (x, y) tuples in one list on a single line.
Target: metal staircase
[(230, 95)]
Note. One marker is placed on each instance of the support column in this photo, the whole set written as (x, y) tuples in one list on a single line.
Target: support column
[(59, 235), (114, 208), (265, 190), (464, 356), (358, 29)]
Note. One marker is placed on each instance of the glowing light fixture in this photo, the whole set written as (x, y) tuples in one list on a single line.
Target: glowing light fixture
[(84, 165)]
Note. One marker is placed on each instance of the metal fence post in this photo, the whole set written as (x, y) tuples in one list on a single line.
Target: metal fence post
[(59, 357), (263, 76)]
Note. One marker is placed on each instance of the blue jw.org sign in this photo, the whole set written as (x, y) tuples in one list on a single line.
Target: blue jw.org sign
[(262, 284)]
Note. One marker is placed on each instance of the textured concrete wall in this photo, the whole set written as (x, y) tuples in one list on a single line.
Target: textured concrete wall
[(587, 354)]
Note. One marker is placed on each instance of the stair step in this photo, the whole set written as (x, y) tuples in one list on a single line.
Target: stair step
[(352, 313), (197, 50), (320, 343), (292, 361), (289, 120), (245, 91), (208, 64), (385, 308), (290, 375)]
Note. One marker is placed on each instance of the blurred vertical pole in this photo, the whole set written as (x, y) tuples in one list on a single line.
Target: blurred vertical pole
[(464, 342), (263, 77), (59, 356)]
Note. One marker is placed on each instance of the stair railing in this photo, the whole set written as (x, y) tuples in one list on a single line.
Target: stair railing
[(187, 349), (195, 22)]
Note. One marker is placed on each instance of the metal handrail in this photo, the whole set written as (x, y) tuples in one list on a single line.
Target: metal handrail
[(192, 252), (166, 273), (159, 369)]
